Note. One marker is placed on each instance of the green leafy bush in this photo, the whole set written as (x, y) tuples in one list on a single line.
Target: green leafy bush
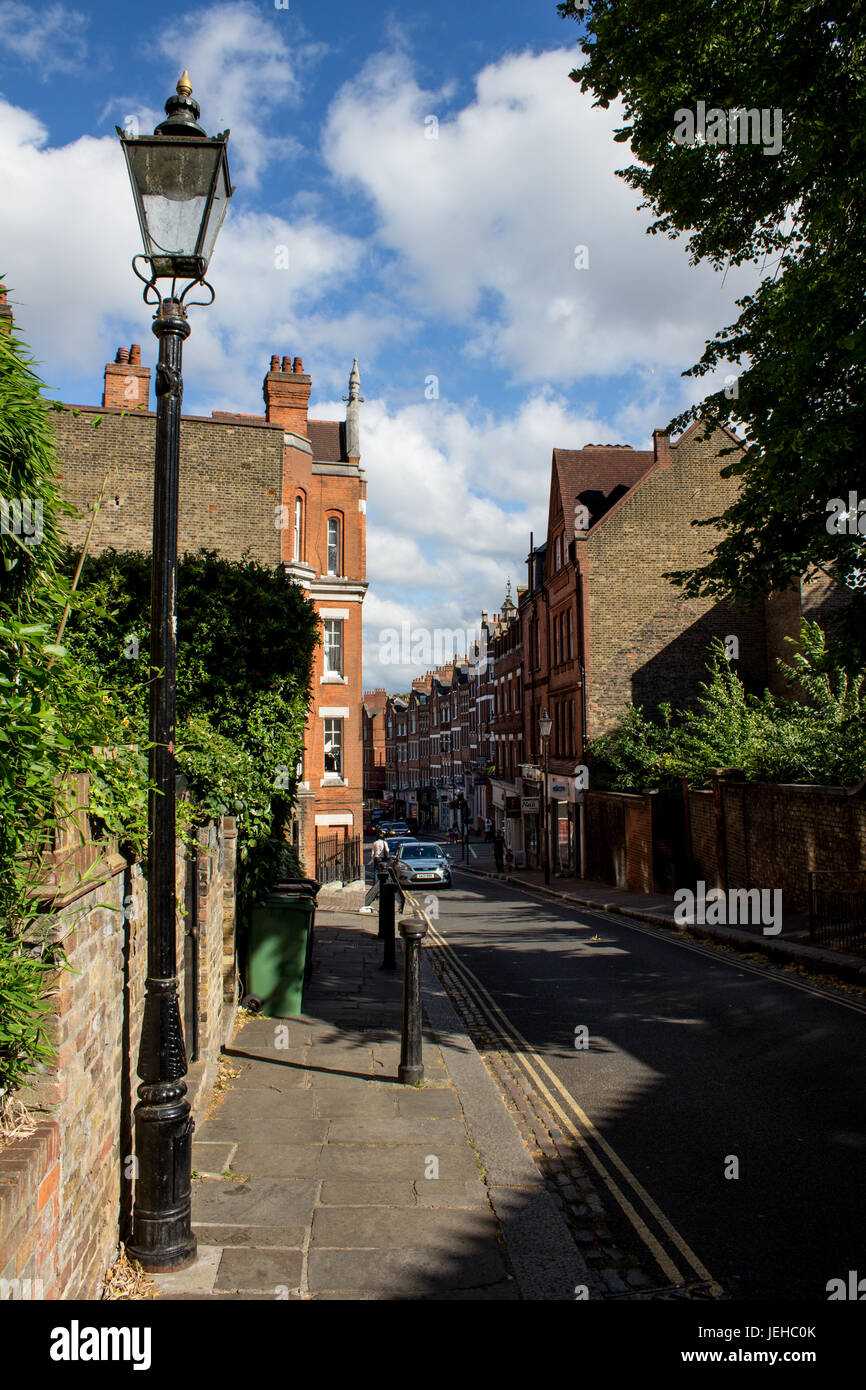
[(818, 737), (245, 641)]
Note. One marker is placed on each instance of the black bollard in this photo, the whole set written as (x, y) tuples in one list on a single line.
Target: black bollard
[(381, 874), (411, 1069), (387, 904)]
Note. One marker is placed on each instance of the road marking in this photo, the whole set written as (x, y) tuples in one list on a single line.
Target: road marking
[(722, 954), (511, 1034)]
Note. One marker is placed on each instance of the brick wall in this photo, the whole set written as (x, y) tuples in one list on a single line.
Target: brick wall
[(619, 840), (703, 836), (774, 836), (88, 1092), (29, 1203), (231, 481), (645, 642)]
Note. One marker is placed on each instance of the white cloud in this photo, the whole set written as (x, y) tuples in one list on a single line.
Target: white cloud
[(50, 37), (68, 232), (245, 64), (453, 496), (485, 221)]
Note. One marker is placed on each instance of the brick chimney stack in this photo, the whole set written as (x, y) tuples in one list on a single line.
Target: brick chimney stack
[(5, 311), (127, 383), (286, 390)]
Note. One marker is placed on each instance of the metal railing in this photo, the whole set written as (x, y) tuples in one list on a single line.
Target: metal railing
[(837, 908), (339, 859)]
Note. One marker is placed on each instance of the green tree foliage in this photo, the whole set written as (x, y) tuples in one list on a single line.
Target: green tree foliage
[(800, 216), (245, 640), (34, 746), (818, 738)]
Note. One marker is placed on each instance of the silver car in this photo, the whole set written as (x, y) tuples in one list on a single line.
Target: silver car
[(422, 863)]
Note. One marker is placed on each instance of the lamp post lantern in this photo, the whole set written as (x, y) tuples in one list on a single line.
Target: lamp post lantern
[(545, 724), (180, 182)]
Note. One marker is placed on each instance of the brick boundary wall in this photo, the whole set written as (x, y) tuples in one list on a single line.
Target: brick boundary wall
[(29, 1206), (87, 1094), (619, 839), (772, 836), (735, 835)]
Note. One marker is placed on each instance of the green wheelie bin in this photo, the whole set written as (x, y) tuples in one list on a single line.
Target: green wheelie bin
[(279, 952)]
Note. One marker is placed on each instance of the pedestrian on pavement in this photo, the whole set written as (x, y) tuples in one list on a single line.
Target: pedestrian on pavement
[(488, 830), (499, 851), (380, 854)]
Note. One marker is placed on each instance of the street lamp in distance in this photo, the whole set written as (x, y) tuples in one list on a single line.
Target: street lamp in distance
[(180, 183), (545, 725)]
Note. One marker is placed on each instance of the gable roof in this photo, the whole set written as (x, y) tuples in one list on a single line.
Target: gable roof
[(598, 476)]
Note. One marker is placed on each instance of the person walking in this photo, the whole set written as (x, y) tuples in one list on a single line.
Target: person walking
[(499, 851), (488, 830), (380, 853)]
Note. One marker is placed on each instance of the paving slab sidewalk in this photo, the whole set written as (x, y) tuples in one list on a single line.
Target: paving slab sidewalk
[(319, 1176)]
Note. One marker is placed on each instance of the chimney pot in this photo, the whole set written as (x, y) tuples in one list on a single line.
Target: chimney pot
[(122, 355), (135, 355), (286, 397)]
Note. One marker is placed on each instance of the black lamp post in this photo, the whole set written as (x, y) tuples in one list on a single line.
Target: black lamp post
[(180, 180), (545, 724)]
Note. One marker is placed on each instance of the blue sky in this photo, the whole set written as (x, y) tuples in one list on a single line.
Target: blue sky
[(450, 258)]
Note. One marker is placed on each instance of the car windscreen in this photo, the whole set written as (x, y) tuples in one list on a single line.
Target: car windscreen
[(420, 852)]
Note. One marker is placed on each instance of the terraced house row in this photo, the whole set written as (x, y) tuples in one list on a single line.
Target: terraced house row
[(597, 624)]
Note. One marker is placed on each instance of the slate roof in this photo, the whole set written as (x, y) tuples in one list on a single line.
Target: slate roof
[(328, 438), (598, 476)]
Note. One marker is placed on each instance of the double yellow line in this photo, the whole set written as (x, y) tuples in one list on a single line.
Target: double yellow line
[(584, 1133)]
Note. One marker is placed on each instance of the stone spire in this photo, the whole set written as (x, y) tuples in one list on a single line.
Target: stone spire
[(508, 607), (354, 399)]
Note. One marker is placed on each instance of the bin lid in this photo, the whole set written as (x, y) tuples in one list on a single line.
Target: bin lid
[(294, 888)]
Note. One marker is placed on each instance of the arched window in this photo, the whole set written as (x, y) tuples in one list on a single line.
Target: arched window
[(299, 526), (333, 545)]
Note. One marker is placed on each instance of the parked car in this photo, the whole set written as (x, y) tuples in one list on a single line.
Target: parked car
[(420, 862), (394, 843)]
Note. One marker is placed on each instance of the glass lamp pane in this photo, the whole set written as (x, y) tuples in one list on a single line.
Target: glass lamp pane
[(173, 226), (172, 178), (219, 208)]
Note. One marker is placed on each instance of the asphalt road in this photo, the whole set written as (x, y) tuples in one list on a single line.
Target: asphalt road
[(692, 1061)]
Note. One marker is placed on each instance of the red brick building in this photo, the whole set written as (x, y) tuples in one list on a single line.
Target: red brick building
[(279, 487), (373, 738)]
